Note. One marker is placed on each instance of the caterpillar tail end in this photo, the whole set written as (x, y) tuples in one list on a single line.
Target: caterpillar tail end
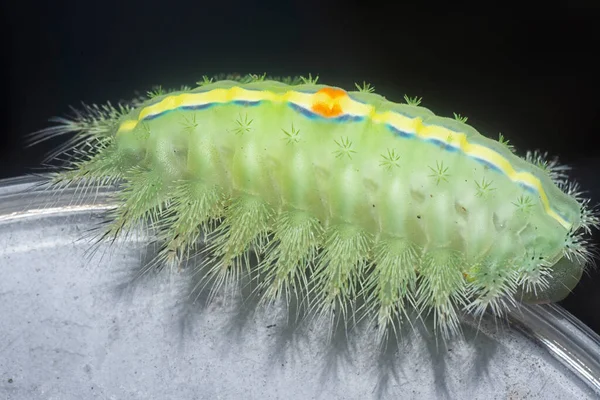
[(565, 276)]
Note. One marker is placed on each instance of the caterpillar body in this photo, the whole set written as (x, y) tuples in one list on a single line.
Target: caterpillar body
[(342, 195)]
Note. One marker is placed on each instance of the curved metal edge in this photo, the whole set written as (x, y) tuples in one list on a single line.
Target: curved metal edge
[(566, 338), (30, 196)]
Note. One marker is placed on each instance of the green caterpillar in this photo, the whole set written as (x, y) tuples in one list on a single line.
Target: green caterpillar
[(342, 195)]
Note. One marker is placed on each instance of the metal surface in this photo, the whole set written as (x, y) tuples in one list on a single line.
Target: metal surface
[(78, 325)]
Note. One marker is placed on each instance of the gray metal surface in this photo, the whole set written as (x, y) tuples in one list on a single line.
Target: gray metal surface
[(76, 325)]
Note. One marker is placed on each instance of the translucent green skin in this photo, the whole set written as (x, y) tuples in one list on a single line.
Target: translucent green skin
[(565, 276), (347, 174)]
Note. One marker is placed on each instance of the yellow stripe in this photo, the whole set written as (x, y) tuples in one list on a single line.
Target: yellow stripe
[(351, 107)]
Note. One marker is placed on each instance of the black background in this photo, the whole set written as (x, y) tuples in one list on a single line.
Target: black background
[(531, 74)]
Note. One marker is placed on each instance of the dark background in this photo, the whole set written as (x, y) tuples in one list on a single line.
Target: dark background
[(532, 75)]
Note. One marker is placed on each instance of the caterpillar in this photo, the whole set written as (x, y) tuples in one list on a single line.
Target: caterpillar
[(342, 196)]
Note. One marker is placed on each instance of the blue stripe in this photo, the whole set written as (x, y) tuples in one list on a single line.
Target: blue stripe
[(247, 103), (399, 132), (198, 107)]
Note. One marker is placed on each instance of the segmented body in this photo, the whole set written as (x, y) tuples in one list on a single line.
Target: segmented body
[(344, 194)]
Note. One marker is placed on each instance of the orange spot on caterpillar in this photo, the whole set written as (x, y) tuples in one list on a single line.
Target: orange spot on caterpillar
[(333, 93), (330, 107), (327, 110)]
